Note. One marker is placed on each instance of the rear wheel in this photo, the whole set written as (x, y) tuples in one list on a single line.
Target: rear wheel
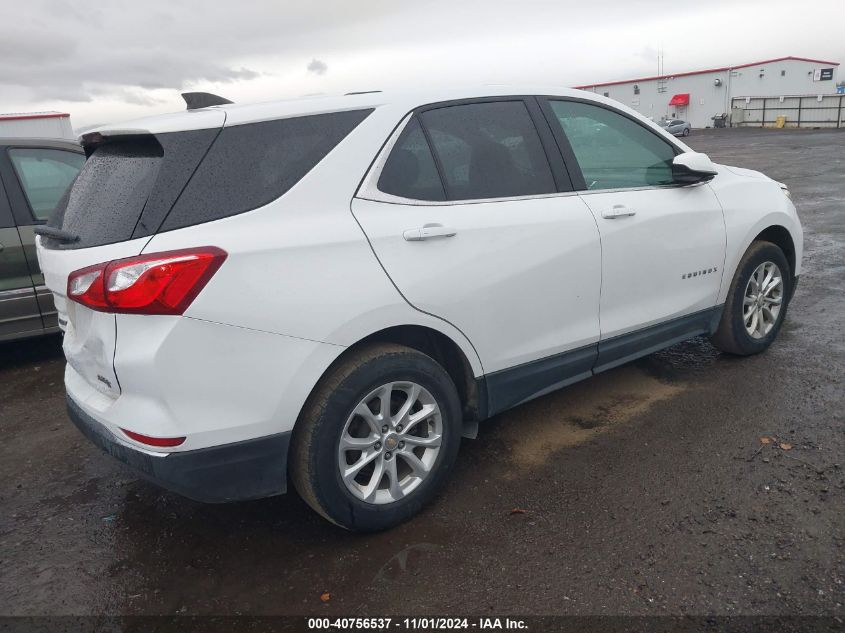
[(686, 131), (757, 300), (376, 438)]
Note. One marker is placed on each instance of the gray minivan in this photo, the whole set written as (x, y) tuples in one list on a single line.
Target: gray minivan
[(35, 174)]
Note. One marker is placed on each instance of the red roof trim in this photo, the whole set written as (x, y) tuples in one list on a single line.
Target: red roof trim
[(21, 117), (710, 70)]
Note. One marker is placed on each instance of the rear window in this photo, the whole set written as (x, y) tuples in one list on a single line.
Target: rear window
[(127, 187), (136, 186)]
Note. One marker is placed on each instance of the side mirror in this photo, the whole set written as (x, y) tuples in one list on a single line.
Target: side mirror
[(692, 167)]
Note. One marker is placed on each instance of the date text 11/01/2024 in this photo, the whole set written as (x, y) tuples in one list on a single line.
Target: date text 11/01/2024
[(415, 624)]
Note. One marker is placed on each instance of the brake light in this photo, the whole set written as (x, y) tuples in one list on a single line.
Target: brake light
[(154, 441), (156, 283)]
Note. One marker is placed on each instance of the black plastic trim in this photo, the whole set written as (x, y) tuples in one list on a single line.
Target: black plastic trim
[(627, 347), (251, 469), (510, 387), (197, 100)]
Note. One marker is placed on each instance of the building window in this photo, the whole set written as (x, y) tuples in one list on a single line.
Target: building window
[(783, 73), (636, 89), (606, 94)]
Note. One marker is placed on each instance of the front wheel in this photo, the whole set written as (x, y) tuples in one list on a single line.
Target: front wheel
[(686, 131), (376, 438), (756, 303)]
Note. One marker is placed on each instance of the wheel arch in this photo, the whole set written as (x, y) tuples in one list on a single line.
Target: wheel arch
[(434, 343), (777, 228), (781, 237)]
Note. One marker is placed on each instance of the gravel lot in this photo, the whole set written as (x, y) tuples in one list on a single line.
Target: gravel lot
[(646, 490)]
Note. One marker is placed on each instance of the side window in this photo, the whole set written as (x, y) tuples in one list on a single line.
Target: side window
[(410, 171), (612, 150), (45, 175), (488, 150)]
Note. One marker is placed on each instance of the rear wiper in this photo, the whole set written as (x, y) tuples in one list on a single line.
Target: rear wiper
[(56, 234)]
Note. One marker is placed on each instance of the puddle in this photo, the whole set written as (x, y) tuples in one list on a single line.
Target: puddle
[(538, 429)]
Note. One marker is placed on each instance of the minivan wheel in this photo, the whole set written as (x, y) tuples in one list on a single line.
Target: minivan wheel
[(757, 300), (376, 438)]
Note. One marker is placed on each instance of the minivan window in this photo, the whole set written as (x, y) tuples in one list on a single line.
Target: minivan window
[(488, 150), (45, 175), (409, 171), (613, 151)]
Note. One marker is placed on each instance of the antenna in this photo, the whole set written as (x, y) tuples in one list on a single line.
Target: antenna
[(196, 100)]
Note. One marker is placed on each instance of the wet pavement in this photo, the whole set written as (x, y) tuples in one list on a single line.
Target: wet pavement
[(645, 490)]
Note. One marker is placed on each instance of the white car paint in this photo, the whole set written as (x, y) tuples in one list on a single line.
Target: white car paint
[(319, 269), (645, 256)]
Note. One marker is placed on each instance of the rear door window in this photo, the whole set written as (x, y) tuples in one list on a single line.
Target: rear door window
[(488, 150), (410, 171), (45, 175)]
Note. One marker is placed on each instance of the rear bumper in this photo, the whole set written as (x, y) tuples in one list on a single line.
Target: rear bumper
[(251, 469)]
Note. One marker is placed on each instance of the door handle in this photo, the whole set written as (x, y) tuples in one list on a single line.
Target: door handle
[(618, 211), (428, 232)]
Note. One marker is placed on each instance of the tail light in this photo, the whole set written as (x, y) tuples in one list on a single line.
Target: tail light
[(155, 283)]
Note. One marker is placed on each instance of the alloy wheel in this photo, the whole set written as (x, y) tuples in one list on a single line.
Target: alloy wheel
[(390, 442), (763, 300)]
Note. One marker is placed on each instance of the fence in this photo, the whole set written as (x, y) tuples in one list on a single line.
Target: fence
[(812, 111)]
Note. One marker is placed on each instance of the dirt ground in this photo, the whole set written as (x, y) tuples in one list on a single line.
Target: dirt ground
[(645, 490)]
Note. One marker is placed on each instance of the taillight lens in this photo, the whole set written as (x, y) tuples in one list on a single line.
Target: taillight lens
[(156, 283)]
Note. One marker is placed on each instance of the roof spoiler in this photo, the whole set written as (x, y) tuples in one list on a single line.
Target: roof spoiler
[(196, 100)]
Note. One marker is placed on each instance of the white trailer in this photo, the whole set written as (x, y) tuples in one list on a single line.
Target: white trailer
[(53, 125)]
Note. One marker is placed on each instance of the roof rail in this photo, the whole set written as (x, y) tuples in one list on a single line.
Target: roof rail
[(361, 92), (196, 100)]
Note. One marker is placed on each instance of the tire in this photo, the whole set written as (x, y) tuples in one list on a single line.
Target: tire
[(686, 131), (732, 335), (333, 412)]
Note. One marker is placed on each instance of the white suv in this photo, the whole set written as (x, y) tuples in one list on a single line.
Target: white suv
[(336, 290)]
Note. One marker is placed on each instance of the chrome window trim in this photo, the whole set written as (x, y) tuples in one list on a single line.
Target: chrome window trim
[(677, 185), (16, 293)]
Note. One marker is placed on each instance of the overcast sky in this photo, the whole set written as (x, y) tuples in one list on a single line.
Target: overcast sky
[(103, 61)]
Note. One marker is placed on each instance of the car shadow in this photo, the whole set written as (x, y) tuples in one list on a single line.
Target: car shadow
[(16, 354)]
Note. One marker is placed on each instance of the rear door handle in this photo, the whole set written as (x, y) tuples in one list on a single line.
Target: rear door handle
[(428, 232), (618, 211)]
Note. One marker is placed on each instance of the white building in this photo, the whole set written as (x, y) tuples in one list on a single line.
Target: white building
[(36, 125), (698, 95)]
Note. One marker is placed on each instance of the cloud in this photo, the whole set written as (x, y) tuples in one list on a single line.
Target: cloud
[(318, 67), (114, 60)]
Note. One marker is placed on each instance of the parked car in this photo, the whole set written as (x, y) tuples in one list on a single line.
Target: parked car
[(676, 127), (338, 289), (34, 175)]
